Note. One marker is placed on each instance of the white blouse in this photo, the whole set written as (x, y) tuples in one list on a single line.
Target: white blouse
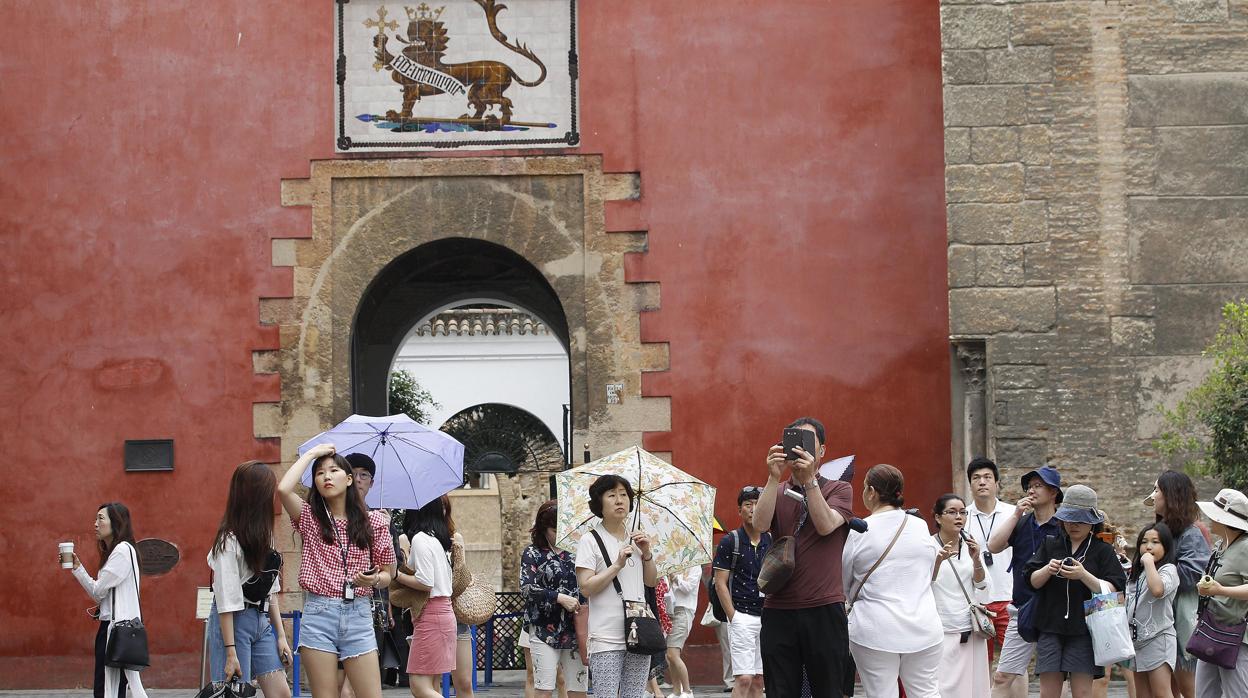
[(895, 611), (229, 571), (951, 604), (120, 573)]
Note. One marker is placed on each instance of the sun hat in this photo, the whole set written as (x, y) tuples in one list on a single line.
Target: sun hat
[(1229, 508), (1079, 506), (1048, 474)]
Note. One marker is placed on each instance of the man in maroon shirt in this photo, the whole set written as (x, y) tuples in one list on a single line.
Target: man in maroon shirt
[(803, 624)]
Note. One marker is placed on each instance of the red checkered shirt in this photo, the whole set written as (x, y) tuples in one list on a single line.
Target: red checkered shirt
[(321, 572)]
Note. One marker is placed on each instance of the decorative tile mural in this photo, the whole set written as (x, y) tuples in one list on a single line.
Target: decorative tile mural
[(464, 74)]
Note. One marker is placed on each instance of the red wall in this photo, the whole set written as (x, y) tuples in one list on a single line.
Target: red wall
[(792, 178)]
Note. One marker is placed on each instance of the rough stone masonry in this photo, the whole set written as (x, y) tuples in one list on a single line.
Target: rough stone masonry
[(1097, 190)]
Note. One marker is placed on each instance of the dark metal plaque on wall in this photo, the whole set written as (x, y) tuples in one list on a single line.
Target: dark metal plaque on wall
[(149, 454), (466, 74), (157, 556)]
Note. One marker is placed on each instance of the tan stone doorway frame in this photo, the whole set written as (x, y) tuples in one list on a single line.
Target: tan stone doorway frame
[(549, 210)]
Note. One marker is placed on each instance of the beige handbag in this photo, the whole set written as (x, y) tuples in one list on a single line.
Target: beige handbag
[(475, 604), (404, 596), (461, 576)]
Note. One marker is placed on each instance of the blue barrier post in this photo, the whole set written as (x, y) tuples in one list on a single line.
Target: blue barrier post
[(295, 617), (472, 634), (489, 652)]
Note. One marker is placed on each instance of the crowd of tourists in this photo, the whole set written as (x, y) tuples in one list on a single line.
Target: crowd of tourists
[(804, 596)]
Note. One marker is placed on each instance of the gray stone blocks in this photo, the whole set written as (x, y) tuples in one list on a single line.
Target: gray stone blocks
[(984, 311), (984, 183), (1019, 64), (995, 144), (985, 105), (1188, 240), (974, 26), (1188, 100), (973, 223)]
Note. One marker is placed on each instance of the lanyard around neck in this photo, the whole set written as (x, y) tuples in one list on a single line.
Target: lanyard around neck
[(333, 527)]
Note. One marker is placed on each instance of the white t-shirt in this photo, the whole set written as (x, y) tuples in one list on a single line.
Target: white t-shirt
[(981, 526), (895, 611), (606, 612), (229, 571), (950, 602), (684, 586), (431, 564)]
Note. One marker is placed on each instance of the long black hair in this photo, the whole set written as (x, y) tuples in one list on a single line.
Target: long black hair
[(430, 519), (359, 533), (249, 513), (1164, 537), (123, 532), (1179, 493)]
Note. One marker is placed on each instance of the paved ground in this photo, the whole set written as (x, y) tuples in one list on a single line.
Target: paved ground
[(508, 684)]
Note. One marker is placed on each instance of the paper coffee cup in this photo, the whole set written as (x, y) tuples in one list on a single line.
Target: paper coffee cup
[(67, 555)]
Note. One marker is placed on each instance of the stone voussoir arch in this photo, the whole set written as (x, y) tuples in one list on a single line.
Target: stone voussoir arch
[(548, 210)]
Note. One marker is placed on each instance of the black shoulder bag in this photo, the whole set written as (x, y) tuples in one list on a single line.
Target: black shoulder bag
[(717, 607), (642, 632), (127, 639)]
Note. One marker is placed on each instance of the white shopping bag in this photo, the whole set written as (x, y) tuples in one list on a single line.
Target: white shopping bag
[(1106, 616)]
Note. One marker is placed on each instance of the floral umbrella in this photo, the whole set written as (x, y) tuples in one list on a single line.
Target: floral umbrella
[(675, 508)]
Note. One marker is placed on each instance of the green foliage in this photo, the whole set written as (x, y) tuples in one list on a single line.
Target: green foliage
[(1208, 430), (407, 397)]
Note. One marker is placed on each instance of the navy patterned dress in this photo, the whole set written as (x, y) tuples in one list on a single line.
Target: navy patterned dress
[(544, 574)]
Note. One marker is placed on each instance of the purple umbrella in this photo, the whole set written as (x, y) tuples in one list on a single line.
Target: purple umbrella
[(415, 464)]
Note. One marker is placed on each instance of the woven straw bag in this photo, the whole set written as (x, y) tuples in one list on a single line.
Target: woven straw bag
[(475, 604)]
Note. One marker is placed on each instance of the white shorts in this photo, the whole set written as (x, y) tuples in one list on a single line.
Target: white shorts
[(1016, 653), (682, 621), (747, 658), (524, 640), (548, 660)]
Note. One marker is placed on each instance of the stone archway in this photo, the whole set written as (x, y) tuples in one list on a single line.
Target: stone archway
[(548, 210)]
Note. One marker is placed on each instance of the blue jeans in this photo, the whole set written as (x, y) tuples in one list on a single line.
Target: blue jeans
[(254, 642)]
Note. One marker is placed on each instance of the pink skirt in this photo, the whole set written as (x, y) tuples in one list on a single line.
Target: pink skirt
[(433, 639)]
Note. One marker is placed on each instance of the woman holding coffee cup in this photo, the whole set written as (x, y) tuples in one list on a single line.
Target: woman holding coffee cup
[(116, 590)]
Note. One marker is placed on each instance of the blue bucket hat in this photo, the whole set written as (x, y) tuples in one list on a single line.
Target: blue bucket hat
[(1048, 474), (1079, 506)]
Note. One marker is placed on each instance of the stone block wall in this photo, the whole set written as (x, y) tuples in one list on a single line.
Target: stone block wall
[(1097, 201)]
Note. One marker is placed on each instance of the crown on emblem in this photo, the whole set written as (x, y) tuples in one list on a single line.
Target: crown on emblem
[(424, 12)]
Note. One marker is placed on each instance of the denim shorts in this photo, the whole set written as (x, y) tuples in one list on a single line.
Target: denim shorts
[(254, 643), (343, 628)]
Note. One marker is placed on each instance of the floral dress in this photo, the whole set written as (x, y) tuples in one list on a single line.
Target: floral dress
[(546, 573)]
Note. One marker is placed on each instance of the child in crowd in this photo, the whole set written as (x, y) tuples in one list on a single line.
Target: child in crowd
[(1151, 587)]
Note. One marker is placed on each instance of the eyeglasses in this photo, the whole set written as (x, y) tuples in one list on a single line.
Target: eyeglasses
[(955, 512), (752, 489)]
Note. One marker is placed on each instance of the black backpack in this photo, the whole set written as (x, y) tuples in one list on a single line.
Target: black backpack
[(717, 608), (256, 588)]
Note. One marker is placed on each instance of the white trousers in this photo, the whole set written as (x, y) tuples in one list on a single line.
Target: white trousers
[(1212, 681), (964, 668), (879, 671)]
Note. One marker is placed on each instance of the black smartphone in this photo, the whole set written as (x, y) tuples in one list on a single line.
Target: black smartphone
[(798, 437)]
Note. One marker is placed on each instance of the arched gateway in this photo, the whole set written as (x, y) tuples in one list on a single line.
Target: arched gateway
[(393, 240)]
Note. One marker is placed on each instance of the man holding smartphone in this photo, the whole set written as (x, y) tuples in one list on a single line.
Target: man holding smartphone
[(803, 623)]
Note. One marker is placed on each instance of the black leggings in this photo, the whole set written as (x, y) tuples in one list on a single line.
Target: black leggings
[(101, 645)]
